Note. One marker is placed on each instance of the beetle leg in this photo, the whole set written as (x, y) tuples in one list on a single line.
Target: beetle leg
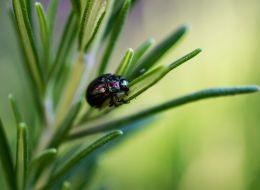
[(117, 101), (125, 101), (113, 100), (122, 101)]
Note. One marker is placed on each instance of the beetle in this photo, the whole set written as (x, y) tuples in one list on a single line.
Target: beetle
[(107, 87)]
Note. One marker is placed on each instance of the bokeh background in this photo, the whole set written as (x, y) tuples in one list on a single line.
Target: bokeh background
[(209, 145)]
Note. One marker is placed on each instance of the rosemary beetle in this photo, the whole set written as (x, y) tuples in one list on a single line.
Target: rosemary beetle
[(107, 87)]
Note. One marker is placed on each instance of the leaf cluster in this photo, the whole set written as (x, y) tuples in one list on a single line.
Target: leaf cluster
[(58, 77)]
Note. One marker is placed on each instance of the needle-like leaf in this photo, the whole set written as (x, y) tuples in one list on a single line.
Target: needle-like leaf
[(150, 78), (199, 95), (43, 159), (65, 46), (63, 130), (143, 48), (98, 25), (115, 9), (44, 31), (158, 52), (16, 112), (124, 66), (139, 53), (93, 11), (83, 4), (28, 43), (114, 14), (28, 4), (66, 186), (21, 156), (32, 82), (60, 83), (6, 159), (76, 8), (81, 155), (117, 28), (41, 163), (51, 14)]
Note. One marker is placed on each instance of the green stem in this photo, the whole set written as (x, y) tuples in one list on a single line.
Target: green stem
[(70, 89)]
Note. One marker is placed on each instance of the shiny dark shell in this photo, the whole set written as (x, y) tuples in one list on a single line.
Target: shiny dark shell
[(107, 86)]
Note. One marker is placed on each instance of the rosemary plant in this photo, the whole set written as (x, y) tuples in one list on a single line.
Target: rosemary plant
[(58, 78)]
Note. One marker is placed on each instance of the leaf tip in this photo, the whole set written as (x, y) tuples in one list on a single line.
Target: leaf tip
[(256, 87), (127, 4), (53, 150), (119, 132), (10, 97), (185, 28), (37, 4), (198, 50), (130, 51), (22, 126), (151, 41)]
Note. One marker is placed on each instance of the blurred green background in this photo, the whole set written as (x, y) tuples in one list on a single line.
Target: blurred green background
[(209, 145)]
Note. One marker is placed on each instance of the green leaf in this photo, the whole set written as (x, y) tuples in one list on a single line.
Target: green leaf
[(6, 159), (82, 155), (70, 90), (59, 84), (158, 52), (44, 31), (76, 8), (43, 159), (142, 49), (86, 171), (95, 33), (125, 63), (29, 9), (16, 112), (117, 28), (139, 53), (90, 21), (63, 130), (83, 4), (98, 40), (28, 43), (51, 14), (39, 164), (115, 9), (66, 186), (150, 78), (196, 96), (65, 46), (21, 156), (32, 82)]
